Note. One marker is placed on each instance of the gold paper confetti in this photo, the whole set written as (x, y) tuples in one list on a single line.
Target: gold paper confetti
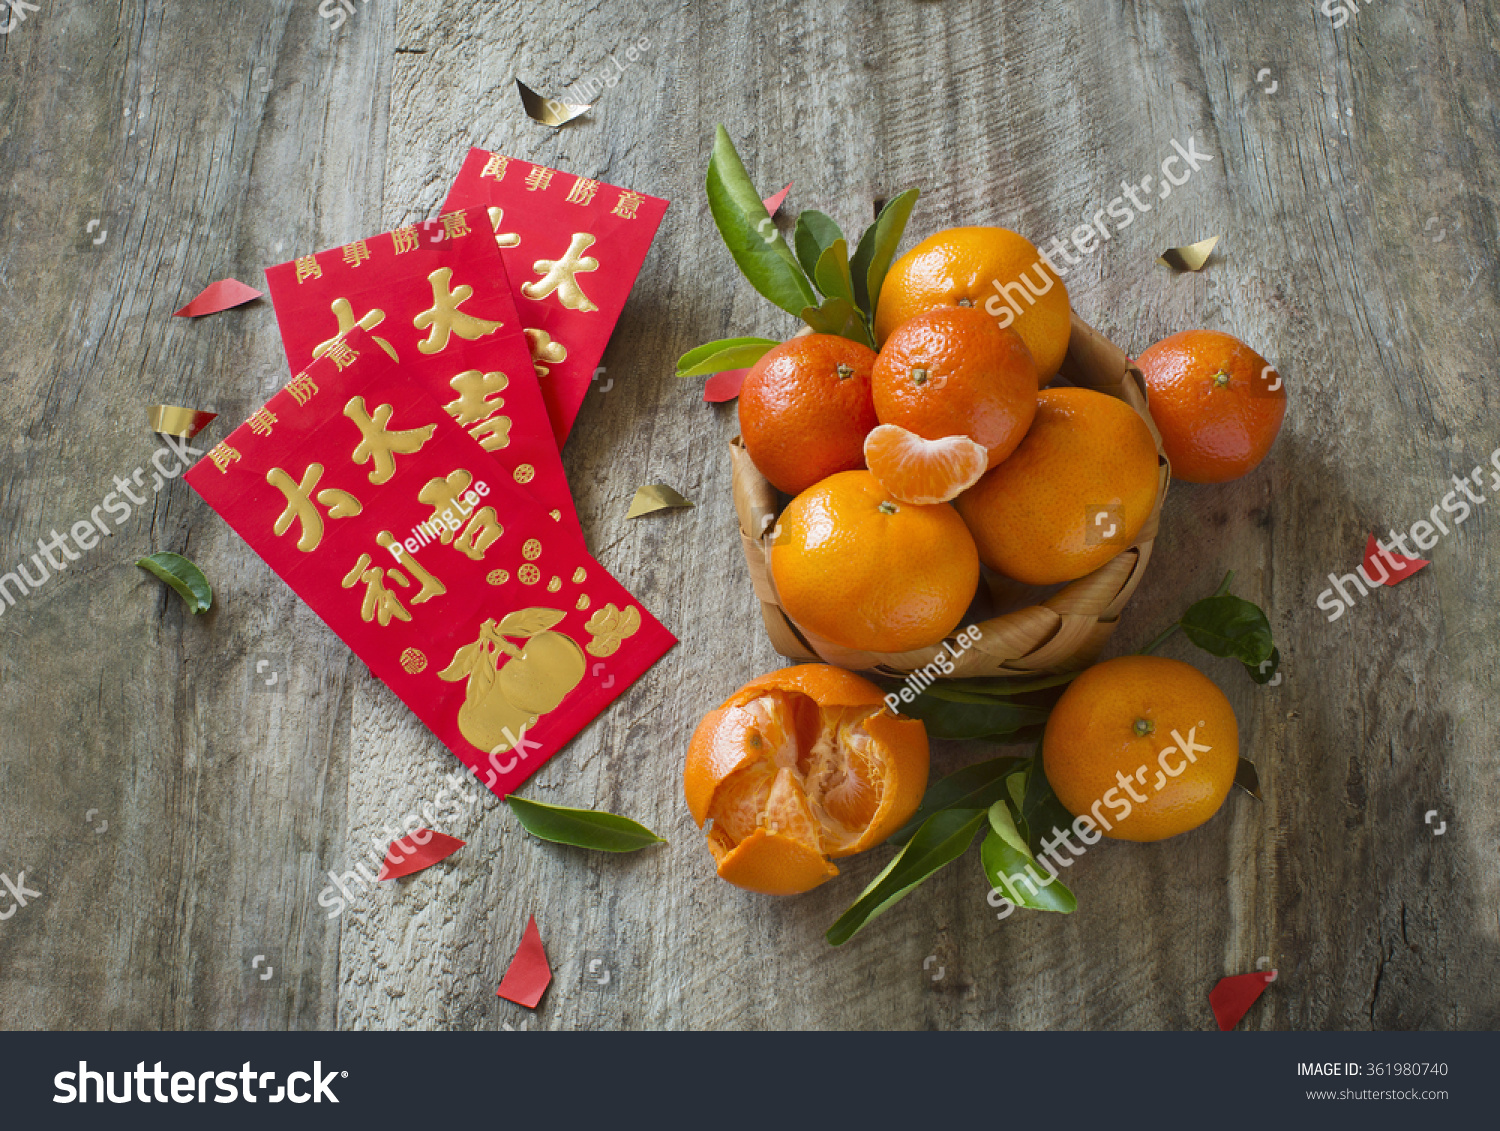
[(174, 420), (1189, 258), (655, 497), (549, 111)]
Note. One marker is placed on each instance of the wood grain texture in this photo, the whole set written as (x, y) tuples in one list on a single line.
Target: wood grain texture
[(1357, 204)]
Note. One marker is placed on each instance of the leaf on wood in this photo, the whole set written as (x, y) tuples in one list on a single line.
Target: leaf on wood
[(183, 576)]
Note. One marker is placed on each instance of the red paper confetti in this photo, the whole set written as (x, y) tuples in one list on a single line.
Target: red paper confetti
[(1233, 996), (724, 386), (405, 856), (529, 974), (772, 203), (1393, 567), (219, 296)]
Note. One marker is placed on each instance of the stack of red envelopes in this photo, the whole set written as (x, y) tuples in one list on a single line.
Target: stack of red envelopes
[(407, 483)]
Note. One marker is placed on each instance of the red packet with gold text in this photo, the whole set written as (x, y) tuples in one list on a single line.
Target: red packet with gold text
[(487, 618), (434, 297), (573, 247)]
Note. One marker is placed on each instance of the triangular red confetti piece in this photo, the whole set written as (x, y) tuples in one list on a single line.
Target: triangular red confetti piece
[(218, 296), (1234, 995), (1394, 566), (772, 203), (406, 856), (529, 974), (724, 386)]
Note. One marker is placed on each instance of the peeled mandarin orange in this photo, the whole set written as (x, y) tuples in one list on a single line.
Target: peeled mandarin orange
[(1217, 403), (989, 269), (856, 566), (798, 768), (805, 408), (916, 470), (1146, 747), (1077, 491)]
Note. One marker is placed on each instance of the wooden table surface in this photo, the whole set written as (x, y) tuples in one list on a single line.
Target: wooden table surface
[(180, 819)]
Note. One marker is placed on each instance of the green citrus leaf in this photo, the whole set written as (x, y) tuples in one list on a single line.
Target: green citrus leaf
[(942, 839), (838, 316), (832, 274), (877, 248), (692, 362), (1013, 871), (729, 353), (974, 787), (582, 828), (814, 234), (1230, 626), (750, 233), (183, 576), (1042, 814)]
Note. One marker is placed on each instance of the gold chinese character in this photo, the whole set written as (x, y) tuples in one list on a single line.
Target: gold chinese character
[(544, 349), (583, 191), (504, 239), (560, 275), (431, 586), (302, 388), (223, 455), (495, 167), (493, 434), (260, 422), (444, 318), (627, 204), (405, 239), (342, 354), (344, 312), (300, 508), (538, 178), (379, 601), (455, 224), (481, 530), (307, 268), (356, 253), (380, 445), (478, 395)]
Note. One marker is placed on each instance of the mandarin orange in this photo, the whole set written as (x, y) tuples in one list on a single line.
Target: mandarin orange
[(798, 768)]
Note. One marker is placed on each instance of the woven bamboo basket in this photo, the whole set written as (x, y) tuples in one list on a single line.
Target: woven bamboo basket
[(1024, 631)]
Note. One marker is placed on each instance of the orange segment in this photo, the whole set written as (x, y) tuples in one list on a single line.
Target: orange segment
[(791, 775), (923, 471)]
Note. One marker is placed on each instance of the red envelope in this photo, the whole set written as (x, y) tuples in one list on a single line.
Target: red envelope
[(487, 618), (433, 296), (573, 247)]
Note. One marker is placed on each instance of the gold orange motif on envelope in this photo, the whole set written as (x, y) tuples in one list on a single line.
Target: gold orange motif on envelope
[(502, 699)]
